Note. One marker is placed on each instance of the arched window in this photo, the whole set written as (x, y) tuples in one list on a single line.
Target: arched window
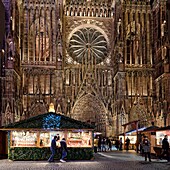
[(42, 42)]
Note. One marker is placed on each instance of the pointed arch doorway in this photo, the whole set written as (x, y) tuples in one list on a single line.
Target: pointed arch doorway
[(139, 112), (91, 110)]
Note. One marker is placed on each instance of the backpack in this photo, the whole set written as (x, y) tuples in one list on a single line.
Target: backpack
[(146, 142)]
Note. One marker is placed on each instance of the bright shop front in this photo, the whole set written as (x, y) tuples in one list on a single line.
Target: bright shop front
[(132, 135), (150, 132), (30, 139), (160, 134)]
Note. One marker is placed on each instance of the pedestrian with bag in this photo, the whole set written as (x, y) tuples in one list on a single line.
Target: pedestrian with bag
[(146, 148)]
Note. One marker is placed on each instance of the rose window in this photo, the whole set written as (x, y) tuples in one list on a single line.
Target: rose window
[(88, 44)]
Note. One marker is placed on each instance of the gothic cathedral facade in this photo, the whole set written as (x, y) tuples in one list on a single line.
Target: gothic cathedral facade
[(105, 62)]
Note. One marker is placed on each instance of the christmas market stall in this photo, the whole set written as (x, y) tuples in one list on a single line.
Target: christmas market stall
[(160, 134), (30, 139), (132, 135), (150, 132)]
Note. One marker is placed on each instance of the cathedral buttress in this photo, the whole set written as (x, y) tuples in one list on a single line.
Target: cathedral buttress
[(11, 83), (41, 55), (134, 70)]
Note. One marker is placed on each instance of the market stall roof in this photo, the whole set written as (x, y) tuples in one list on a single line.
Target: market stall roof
[(151, 129), (47, 121), (164, 128), (132, 131), (132, 122)]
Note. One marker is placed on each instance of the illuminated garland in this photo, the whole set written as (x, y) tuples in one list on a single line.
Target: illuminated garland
[(51, 121)]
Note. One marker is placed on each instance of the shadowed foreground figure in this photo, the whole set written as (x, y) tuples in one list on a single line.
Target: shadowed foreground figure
[(165, 148)]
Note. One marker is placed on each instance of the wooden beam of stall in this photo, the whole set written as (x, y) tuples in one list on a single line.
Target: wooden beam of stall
[(124, 136)]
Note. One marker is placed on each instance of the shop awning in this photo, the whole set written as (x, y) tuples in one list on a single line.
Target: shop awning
[(132, 131), (164, 128), (151, 129), (50, 121), (129, 123)]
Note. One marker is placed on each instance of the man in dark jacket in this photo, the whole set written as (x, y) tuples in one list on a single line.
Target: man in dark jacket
[(64, 151), (53, 149), (165, 148)]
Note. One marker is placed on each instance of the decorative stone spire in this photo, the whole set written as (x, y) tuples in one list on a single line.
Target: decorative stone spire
[(51, 107)]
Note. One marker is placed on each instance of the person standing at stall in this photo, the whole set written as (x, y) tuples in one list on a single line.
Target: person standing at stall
[(127, 143), (120, 144), (165, 148), (64, 150), (53, 149)]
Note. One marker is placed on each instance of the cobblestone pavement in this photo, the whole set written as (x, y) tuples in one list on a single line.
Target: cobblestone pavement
[(103, 161)]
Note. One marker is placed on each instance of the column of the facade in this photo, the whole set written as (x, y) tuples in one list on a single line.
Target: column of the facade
[(148, 31), (130, 23)]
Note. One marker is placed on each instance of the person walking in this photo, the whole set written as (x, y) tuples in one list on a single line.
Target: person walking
[(64, 150), (146, 148), (165, 148), (127, 143), (103, 144), (53, 149)]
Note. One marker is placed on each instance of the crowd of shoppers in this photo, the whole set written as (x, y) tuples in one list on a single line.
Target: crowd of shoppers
[(103, 144)]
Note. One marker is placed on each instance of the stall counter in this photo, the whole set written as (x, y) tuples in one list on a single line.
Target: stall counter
[(35, 145)]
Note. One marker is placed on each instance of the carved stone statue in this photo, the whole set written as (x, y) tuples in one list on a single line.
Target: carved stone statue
[(163, 28), (119, 26)]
